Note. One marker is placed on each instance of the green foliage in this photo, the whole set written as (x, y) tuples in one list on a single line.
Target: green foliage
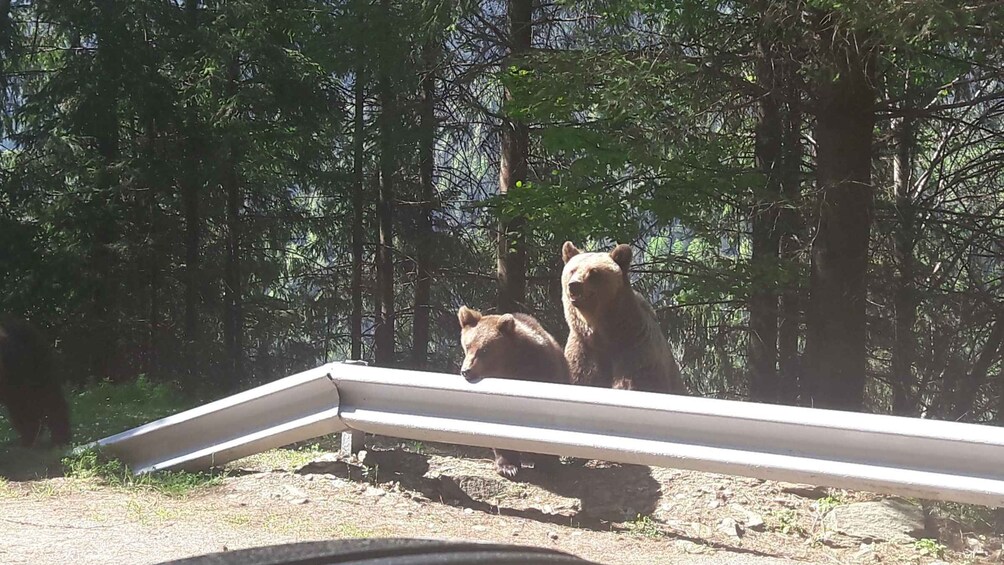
[(645, 526), (786, 522), (930, 548), (827, 503), (128, 129), (91, 464), (105, 409)]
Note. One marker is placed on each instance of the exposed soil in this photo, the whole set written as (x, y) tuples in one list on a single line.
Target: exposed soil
[(608, 513)]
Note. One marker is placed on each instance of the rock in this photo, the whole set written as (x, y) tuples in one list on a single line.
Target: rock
[(890, 520), (476, 487), (478, 528), (731, 528), (552, 535), (373, 491), (714, 504), (805, 491), (299, 501), (866, 554), (468, 511), (976, 546), (749, 519)]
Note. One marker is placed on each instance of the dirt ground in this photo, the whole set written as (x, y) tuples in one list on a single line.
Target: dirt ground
[(607, 513)]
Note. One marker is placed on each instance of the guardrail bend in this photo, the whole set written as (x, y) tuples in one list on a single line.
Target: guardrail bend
[(888, 454)]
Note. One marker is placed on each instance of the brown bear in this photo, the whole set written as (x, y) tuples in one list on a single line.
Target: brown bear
[(614, 337), (509, 346), (29, 386)]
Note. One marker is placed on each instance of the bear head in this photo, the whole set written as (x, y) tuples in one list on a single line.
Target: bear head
[(591, 280), (488, 342)]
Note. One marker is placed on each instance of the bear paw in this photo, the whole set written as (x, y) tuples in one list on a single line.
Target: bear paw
[(506, 469)]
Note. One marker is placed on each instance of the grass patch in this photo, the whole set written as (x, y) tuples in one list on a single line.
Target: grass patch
[(930, 548), (827, 503), (644, 526), (148, 514), (285, 459), (785, 521), (90, 464), (105, 409)]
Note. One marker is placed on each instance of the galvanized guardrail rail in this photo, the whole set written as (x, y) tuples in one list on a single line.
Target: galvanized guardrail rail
[(905, 456)]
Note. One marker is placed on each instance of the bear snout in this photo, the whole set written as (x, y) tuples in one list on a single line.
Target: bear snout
[(469, 375), (576, 289), (468, 371)]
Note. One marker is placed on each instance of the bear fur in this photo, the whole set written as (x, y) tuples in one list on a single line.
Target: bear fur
[(29, 387), (614, 336), (509, 346)]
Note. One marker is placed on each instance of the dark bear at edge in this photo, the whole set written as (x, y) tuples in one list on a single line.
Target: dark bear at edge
[(509, 346), (29, 387), (614, 336)]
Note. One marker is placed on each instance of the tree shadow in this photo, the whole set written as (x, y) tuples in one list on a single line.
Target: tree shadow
[(607, 493), (30, 464), (610, 495)]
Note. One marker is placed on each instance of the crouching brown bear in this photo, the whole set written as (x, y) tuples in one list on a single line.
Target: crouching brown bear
[(509, 346), (29, 387), (615, 340)]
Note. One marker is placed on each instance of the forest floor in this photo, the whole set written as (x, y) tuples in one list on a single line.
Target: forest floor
[(607, 513)]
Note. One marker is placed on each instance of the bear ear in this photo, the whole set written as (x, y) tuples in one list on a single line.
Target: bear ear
[(468, 318), (568, 250), (507, 324), (622, 256)]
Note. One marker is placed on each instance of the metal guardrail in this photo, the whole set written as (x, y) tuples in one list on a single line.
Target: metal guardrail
[(905, 456), (282, 412)]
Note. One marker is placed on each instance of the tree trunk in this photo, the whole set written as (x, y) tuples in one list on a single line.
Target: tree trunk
[(763, 299), (190, 205), (384, 338), (513, 168), (233, 317), (153, 346), (153, 253), (790, 228), (190, 210), (904, 300), (423, 285), (845, 118), (358, 202), (969, 385), (104, 336)]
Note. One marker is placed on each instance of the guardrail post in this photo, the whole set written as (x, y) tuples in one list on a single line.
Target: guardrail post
[(352, 441)]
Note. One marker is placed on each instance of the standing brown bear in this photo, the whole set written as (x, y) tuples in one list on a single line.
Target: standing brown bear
[(28, 385), (510, 346), (615, 340)]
